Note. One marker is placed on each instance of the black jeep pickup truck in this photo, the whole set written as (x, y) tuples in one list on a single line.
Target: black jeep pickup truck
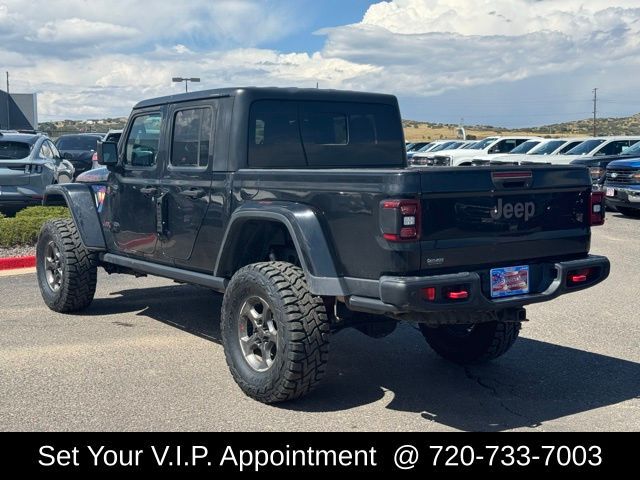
[(296, 204)]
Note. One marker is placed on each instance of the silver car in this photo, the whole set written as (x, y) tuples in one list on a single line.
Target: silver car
[(28, 163)]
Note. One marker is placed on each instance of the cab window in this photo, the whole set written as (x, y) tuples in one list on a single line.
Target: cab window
[(144, 140), (191, 137)]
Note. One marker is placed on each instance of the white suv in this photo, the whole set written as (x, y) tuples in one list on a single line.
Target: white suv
[(593, 147), (488, 146)]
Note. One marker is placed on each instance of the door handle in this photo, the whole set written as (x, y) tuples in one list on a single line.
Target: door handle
[(149, 190), (193, 193)]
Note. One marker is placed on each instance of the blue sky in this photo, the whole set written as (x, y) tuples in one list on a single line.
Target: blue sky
[(499, 62)]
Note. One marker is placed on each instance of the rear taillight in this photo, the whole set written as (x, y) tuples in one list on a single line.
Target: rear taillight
[(596, 209), (400, 220), (94, 157), (578, 277), (30, 168)]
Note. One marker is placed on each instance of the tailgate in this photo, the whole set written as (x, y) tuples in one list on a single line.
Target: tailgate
[(13, 173), (503, 215)]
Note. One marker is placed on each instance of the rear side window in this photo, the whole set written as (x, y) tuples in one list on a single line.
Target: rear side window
[(274, 135), (78, 142), (14, 150), (144, 140), (287, 134), (191, 137)]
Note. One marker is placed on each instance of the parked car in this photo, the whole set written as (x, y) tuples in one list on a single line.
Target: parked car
[(28, 164), (510, 156), (435, 147), (110, 136), (597, 146), (464, 157), (79, 148), (622, 186), (523, 153), (307, 230), (598, 164)]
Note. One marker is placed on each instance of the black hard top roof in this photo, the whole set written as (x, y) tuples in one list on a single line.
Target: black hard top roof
[(250, 94)]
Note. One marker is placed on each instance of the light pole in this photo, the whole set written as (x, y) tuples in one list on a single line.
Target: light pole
[(186, 81)]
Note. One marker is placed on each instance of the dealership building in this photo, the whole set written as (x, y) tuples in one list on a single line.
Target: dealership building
[(18, 111)]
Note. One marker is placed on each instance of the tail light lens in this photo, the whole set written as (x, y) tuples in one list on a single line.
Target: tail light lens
[(94, 157), (596, 208), (578, 277), (400, 220)]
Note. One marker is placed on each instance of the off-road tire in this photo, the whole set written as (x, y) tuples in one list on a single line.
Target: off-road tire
[(78, 265), (302, 332), (629, 212), (482, 342)]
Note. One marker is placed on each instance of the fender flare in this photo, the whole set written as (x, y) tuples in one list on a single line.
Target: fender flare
[(304, 227), (80, 200)]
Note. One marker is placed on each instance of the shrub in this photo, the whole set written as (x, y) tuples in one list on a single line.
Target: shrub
[(43, 212), (23, 229)]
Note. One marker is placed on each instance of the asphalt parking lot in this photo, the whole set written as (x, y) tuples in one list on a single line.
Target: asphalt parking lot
[(147, 356)]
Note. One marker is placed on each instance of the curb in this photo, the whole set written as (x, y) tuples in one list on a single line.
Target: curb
[(11, 263)]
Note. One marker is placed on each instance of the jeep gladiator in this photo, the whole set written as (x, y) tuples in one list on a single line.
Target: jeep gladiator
[(297, 205)]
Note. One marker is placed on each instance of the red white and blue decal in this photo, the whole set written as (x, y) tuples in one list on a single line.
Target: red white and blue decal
[(100, 193)]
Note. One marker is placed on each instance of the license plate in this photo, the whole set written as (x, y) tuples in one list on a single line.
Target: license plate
[(509, 281), (611, 192)]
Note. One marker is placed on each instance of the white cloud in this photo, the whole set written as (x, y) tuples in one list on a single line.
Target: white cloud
[(98, 58), (73, 30)]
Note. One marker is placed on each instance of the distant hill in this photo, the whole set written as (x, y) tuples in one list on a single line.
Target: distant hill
[(415, 130), (61, 127)]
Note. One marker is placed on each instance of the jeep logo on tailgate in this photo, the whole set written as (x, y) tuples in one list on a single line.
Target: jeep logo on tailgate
[(524, 210)]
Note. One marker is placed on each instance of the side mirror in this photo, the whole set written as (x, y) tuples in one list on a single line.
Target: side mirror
[(107, 153)]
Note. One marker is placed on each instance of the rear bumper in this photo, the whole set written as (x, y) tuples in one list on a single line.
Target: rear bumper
[(405, 294)]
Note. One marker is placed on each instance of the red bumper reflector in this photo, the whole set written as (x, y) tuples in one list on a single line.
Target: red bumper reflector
[(458, 295), (429, 293), (578, 278)]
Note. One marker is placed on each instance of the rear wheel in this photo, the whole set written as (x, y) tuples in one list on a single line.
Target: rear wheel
[(629, 212), (67, 271), (274, 331), (471, 343)]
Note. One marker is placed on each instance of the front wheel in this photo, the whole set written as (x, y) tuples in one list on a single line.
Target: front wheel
[(471, 343), (67, 271), (274, 331)]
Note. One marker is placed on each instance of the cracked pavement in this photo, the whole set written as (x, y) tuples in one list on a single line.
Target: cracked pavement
[(146, 356)]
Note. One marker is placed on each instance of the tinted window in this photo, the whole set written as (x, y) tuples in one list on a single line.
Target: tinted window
[(324, 134), (143, 140), (191, 137), (274, 136), (14, 150), (613, 148), (547, 148), (569, 146), (77, 142), (585, 147), (351, 134), (113, 137), (525, 147), (324, 128)]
